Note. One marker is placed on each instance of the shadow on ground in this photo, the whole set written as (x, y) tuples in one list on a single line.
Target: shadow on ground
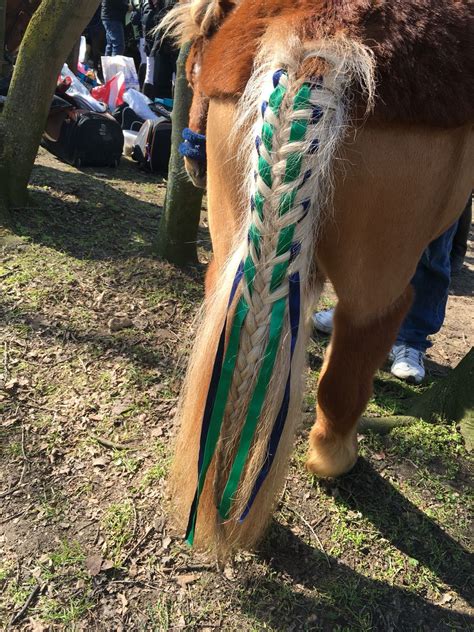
[(83, 214), (339, 594)]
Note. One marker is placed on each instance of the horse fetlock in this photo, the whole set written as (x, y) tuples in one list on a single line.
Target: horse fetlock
[(331, 454)]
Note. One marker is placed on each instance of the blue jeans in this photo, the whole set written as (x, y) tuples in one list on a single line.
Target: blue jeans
[(431, 284), (115, 37)]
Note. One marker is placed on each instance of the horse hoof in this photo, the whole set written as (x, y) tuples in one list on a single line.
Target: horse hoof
[(331, 456)]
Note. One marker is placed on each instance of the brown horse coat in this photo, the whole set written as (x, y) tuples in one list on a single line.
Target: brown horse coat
[(423, 49)]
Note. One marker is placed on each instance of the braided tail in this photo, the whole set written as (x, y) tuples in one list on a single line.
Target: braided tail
[(254, 397)]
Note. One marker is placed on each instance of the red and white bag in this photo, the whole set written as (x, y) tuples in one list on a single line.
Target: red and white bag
[(111, 92)]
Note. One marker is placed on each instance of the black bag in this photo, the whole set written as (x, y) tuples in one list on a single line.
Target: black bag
[(127, 118), (153, 146), (84, 138)]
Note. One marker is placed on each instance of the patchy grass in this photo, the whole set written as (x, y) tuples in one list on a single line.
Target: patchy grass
[(386, 547), (118, 524)]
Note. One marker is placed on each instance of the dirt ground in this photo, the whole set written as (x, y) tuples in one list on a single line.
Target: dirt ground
[(94, 339)]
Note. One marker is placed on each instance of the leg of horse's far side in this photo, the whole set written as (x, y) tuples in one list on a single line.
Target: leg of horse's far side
[(400, 189)]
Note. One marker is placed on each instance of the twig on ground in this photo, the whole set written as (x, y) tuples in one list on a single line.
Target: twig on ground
[(110, 444), (31, 404), (31, 597), (17, 515), (135, 519), (136, 582), (25, 458), (148, 532), (85, 526), (5, 361), (16, 485), (313, 533), (19, 482)]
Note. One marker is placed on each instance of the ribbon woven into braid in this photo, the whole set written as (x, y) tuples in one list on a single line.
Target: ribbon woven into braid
[(284, 285)]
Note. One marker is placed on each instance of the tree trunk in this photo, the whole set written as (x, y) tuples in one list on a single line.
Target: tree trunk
[(45, 46), (3, 15), (450, 399), (179, 223)]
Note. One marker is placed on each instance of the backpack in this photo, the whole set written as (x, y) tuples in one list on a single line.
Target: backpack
[(127, 118), (83, 138), (153, 146)]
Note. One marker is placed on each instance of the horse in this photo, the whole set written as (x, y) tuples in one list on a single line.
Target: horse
[(339, 140)]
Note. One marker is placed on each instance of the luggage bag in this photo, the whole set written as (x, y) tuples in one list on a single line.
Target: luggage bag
[(84, 138), (153, 146)]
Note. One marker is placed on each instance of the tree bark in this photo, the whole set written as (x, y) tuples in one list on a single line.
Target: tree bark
[(3, 15), (45, 46), (179, 223), (450, 399)]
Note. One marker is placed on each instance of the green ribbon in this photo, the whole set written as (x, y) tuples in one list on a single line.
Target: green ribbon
[(223, 388), (277, 315)]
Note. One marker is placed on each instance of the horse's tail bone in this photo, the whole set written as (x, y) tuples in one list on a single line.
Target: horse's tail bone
[(254, 399)]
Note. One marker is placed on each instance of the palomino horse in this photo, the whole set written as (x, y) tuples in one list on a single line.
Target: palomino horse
[(339, 144)]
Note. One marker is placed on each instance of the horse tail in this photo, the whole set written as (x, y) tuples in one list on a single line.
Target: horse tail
[(267, 290)]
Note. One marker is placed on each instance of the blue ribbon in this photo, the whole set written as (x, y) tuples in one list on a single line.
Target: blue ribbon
[(278, 426), (194, 145), (211, 394)]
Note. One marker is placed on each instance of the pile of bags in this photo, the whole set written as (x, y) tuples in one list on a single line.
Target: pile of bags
[(91, 124)]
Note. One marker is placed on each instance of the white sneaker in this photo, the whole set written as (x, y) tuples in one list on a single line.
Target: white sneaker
[(323, 321), (407, 363)]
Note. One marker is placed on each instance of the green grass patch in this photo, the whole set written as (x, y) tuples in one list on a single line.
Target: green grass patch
[(423, 442), (64, 612), (117, 524), (129, 464)]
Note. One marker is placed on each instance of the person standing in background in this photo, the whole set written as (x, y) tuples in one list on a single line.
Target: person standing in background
[(161, 52), (459, 249), (149, 16), (113, 14), (441, 258)]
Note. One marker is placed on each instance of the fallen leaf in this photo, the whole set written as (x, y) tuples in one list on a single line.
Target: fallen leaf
[(107, 565), (117, 324), (184, 580), (94, 564), (120, 408), (228, 572), (99, 462)]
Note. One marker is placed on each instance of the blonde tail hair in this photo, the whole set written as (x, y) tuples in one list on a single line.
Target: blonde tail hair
[(190, 19), (289, 189)]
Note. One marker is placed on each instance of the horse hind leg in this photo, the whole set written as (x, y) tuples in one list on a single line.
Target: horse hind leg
[(356, 351)]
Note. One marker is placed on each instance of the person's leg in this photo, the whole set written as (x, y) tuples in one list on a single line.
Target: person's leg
[(461, 236), (115, 36), (165, 66), (141, 50), (148, 84), (431, 284), (118, 47), (108, 38)]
